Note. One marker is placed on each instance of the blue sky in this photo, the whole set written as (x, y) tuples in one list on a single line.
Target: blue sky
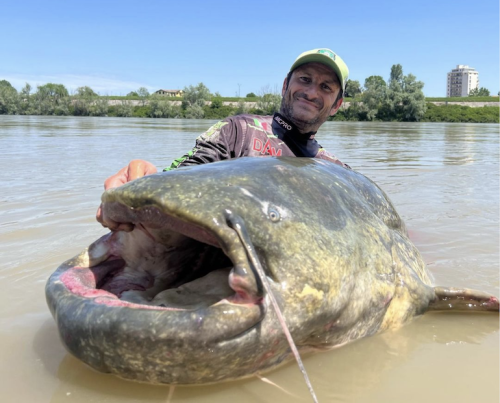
[(240, 46)]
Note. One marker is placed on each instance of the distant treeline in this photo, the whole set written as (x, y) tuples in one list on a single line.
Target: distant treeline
[(399, 99), (437, 113), (197, 103)]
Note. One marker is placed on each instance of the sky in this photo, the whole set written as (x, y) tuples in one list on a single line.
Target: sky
[(237, 47)]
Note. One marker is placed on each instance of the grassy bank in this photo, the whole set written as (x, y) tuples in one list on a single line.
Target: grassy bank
[(463, 114), (444, 113), (463, 99)]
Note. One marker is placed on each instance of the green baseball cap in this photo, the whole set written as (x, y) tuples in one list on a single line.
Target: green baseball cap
[(327, 57)]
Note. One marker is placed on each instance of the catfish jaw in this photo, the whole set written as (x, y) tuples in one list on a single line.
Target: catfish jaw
[(108, 318), (167, 228)]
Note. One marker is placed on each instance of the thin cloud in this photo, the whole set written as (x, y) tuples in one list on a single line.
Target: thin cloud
[(101, 85)]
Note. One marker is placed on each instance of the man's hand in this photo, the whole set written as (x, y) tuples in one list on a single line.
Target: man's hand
[(135, 169)]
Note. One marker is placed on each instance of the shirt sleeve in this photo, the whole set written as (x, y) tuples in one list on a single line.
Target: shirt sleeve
[(216, 144)]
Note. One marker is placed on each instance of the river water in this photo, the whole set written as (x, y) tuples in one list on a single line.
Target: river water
[(442, 178)]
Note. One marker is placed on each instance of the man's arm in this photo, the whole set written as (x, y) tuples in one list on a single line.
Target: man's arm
[(216, 144)]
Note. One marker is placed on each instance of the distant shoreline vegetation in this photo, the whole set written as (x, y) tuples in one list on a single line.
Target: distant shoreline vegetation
[(400, 99)]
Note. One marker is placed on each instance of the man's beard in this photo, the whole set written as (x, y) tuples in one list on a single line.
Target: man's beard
[(287, 111)]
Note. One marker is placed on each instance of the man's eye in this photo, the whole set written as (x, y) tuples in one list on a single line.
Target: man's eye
[(305, 79), (326, 87)]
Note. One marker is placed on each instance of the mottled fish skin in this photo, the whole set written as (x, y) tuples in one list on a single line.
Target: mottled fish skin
[(335, 250)]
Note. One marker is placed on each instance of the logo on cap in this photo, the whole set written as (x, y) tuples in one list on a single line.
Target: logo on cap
[(331, 55)]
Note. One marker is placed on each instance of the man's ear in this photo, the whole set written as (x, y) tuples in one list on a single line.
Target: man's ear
[(283, 90), (336, 106)]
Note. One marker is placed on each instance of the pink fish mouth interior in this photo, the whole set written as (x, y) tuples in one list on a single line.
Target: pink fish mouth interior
[(157, 267)]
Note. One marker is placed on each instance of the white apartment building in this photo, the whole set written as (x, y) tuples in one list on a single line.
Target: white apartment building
[(461, 80)]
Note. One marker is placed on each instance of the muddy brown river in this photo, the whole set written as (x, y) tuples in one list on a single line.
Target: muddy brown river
[(442, 178)]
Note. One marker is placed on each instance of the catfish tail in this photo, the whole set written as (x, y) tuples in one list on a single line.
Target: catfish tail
[(463, 299)]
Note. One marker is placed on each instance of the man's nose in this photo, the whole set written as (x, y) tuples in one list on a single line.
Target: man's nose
[(311, 91)]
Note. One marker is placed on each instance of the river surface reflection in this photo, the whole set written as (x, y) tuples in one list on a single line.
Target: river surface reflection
[(442, 178)]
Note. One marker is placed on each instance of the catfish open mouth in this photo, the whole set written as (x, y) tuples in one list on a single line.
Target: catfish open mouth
[(166, 263)]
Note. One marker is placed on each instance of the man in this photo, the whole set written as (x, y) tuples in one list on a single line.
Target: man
[(312, 91)]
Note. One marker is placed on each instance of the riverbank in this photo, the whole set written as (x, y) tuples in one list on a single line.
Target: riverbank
[(466, 110), (437, 111), (252, 104), (452, 112)]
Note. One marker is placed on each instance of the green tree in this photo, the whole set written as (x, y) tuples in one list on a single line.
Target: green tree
[(26, 91), (132, 94), (55, 92), (216, 103), (241, 108), (51, 99), (87, 102), (25, 101), (479, 92), (375, 82), (161, 108), (405, 100), (218, 113), (352, 88), (251, 95), (82, 102), (6, 84), (196, 95), (396, 73), (99, 107), (9, 99), (409, 104), (143, 94), (366, 105), (268, 102), (401, 99), (85, 92), (194, 111)]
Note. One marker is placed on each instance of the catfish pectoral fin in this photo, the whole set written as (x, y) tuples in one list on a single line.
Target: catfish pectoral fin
[(463, 299)]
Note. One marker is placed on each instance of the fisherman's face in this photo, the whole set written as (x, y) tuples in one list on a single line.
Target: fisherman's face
[(310, 96)]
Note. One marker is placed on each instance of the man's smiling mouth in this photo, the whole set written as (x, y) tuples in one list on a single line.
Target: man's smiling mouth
[(307, 102)]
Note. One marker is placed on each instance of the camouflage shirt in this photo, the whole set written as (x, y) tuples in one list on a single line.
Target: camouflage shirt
[(253, 136)]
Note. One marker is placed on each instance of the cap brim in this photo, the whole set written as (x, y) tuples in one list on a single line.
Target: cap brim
[(319, 58)]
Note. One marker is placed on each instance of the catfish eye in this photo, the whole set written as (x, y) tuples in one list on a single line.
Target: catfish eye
[(274, 215)]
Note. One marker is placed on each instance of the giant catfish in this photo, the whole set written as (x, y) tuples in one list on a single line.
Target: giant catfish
[(178, 299)]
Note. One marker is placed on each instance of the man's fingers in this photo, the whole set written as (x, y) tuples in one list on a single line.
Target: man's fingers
[(118, 179), (98, 215), (112, 225), (140, 168), (135, 169)]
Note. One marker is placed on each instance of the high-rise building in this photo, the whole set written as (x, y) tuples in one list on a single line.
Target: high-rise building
[(461, 81)]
